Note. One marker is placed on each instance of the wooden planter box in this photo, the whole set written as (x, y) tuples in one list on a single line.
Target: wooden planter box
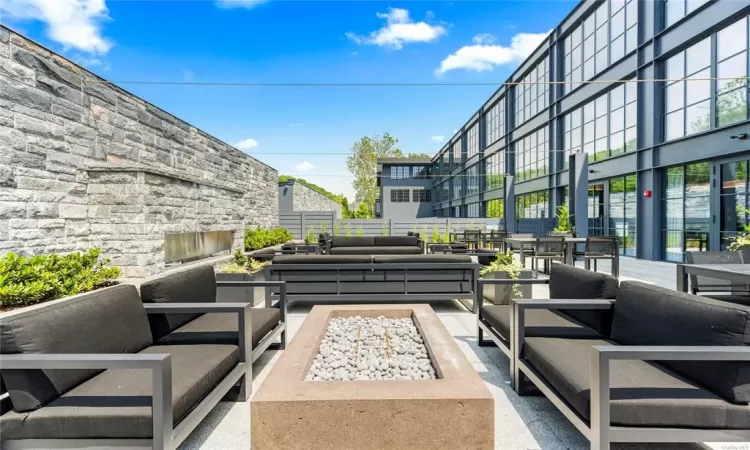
[(253, 295), (500, 294)]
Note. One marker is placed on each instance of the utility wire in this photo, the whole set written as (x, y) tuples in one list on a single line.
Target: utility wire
[(323, 84)]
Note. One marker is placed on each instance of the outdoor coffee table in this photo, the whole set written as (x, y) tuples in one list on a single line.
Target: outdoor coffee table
[(455, 410)]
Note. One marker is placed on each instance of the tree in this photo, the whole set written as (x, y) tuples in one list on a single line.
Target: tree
[(362, 163), (363, 211)]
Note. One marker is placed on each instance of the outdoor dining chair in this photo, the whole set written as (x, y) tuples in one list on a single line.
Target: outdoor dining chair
[(547, 248), (602, 247), (713, 287)]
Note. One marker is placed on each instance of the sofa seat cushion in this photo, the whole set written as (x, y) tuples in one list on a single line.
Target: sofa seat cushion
[(321, 259), (396, 241), (539, 322), (642, 394), (395, 250), (117, 403), (222, 328), (352, 241)]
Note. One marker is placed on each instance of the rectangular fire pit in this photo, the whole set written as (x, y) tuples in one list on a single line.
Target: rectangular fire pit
[(402, 409)]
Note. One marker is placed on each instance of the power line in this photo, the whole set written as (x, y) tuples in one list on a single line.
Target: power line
[(426, 84)]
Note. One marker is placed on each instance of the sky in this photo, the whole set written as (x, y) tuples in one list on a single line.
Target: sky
[(305, 130)]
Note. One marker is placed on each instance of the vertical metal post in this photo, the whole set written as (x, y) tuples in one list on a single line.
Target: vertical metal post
[(246, 349), (302, 225), (578, 190), (599, 435), (161, 409), (509, 206)]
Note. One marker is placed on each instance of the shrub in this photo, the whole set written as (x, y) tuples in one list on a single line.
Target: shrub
[(384, 230), (28, 281), (260, 238), (336, 229), (240, 258), (360, 231), (348, 231), (436, 234), (310, 236)]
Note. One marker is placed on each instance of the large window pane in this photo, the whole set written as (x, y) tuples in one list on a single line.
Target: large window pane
[(732, 39)]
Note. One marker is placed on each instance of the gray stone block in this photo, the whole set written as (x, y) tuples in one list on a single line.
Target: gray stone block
[(99, 89), (17, 72), (12, 210), (39, 127), (45, 66), (6, 177), (43, 210), (26, 159), (21, 94)]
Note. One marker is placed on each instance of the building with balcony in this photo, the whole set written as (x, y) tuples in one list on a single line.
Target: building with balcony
[(654, 92)]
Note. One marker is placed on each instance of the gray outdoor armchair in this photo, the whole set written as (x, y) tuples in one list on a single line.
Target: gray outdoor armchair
[(75, 374), (674, 367), (713, 287)]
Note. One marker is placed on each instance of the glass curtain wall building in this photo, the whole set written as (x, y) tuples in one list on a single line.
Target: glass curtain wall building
[(655, 93)]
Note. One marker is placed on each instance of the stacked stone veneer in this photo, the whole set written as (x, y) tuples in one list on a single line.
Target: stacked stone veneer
[(306, 199), (85, 164)]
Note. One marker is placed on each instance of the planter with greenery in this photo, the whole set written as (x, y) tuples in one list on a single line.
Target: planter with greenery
[(504, 268), (258, 238), (741, 242), (26, 281), (242, 268), (564, 227)]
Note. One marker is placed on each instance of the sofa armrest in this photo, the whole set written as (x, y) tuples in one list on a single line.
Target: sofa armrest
[(159, 364), (280, 284), (557, 303), (483, 281), (241, 309), (601, 355)]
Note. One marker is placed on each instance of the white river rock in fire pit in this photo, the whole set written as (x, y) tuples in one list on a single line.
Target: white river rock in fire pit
[(371, 348)]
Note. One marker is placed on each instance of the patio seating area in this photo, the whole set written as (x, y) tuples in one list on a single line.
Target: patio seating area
[(579, 360)]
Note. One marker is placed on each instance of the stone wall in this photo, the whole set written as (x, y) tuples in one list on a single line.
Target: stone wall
[(84, 163), (306, 199)]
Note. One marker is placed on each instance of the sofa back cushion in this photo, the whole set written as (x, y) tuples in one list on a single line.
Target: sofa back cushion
[(194, 285), (651, 315), (352, 241), (396, 241), (568, 282), (110, 320)]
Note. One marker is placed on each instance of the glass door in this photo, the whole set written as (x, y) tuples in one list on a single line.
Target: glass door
[(733, 203), (686, 223), (597, 221)]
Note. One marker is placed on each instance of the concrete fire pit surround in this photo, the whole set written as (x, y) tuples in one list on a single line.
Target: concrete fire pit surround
[(454, 411)]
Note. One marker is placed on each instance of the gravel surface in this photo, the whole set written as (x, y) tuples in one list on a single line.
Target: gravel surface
[(371, 348)]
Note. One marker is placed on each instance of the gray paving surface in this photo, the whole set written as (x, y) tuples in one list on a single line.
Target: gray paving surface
[(520, 422)]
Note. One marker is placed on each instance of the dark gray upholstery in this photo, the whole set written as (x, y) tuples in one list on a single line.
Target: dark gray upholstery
[(568, 282), (427, 259), (222, 328), (650, 315), (322, 259), (396, 241), (195, 285), (539, 322), (352, 241), (642, 394), (117, 403), (110, 320), (383, 250)]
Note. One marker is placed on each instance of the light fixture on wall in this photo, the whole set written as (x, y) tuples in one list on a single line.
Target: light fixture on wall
[(740, 136), (286, 189)]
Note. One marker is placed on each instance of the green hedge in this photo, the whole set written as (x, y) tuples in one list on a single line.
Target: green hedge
[(31, 280), (258, 238)]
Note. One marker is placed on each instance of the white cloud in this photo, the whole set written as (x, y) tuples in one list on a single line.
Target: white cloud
[(92, 63), (355, 53), (247, 4), (304, 166), (399, 30), (76, 24), (246, 144), (484, 54), (297, 124), (437, 139)]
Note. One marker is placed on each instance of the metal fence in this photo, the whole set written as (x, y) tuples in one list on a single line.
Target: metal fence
[(299, 223)]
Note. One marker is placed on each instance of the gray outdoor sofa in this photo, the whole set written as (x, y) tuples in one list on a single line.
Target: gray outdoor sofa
[(364, 278), (198, 285), (565, 282), (674, 367), (378, 245), (88, 372)]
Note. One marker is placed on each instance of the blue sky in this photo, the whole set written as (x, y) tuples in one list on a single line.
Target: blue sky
[(238, 41)]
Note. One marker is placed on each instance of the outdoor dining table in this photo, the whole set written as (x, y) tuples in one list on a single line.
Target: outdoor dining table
[(734, 273), (570, 245)]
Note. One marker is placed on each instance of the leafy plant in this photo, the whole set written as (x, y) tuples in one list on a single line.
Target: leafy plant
[(348, 231), (360, 231), (233, 267), (323, 228), (243, 264), (240, 258), (563, 220), (336, 229), (447, 235), (255, 265), (743, 237), (436, 234), (384, 229), (423, 234), (504, 262), (31, 280), (261, 238), (310, 236)]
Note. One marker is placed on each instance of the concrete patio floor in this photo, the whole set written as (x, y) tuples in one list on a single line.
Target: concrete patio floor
[(520, 422)]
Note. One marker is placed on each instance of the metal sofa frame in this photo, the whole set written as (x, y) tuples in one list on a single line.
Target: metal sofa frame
[(277, 270), (599, 431), (164, 437)]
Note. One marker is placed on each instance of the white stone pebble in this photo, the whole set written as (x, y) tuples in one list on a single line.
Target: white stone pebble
[(371, 348)]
